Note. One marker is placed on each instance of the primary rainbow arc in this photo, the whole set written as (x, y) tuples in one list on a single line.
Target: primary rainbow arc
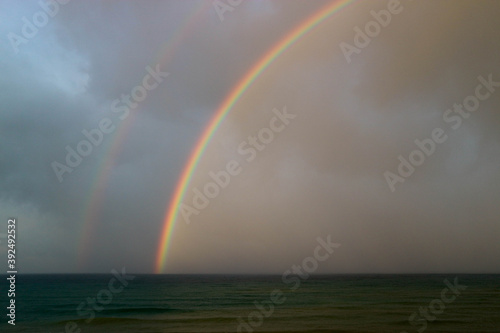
[(223, 110)]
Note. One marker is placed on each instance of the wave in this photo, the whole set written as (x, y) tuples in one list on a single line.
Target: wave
[(143, 310)]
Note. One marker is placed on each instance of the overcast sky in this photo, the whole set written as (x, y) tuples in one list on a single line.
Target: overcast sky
[(332, 170)]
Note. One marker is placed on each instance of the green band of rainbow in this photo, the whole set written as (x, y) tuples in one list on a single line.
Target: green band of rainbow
[(222, 111)]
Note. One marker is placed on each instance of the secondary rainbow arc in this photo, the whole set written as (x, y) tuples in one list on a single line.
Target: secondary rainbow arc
[(98, 185)]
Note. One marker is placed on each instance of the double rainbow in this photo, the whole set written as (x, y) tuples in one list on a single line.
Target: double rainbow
[(97, 188), (223, 110)]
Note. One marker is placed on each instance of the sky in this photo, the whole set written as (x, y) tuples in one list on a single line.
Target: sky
[(386, 140)]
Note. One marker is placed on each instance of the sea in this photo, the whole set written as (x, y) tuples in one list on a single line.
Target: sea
[(111, 303)]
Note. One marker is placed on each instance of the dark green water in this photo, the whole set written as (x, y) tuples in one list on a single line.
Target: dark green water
[(347, 303)]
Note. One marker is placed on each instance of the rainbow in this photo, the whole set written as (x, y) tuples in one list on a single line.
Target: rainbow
[(97, 188), (222, 111)]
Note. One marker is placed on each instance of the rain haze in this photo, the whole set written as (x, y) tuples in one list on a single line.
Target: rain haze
[(385, 141)]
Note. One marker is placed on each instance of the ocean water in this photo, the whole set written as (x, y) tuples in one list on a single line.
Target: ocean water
[(202, 303)]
